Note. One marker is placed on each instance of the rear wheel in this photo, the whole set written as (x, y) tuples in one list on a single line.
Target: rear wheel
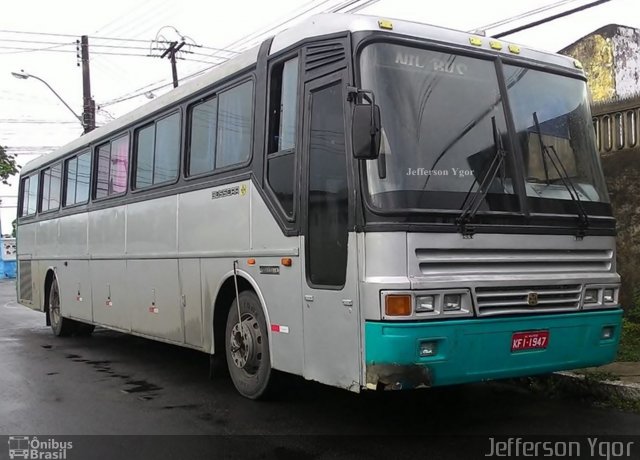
[(247, 347), (61, 327)]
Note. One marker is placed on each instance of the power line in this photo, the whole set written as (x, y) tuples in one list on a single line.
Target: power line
[(526, 14), (550, 18)]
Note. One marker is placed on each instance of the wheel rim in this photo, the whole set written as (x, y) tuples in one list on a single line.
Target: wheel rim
[(54, 306), (246, 344)]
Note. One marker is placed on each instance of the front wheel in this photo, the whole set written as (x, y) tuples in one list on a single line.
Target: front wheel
[(61, 327), (247, 347)]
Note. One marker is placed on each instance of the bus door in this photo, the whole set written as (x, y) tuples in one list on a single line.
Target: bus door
[(330, 305)]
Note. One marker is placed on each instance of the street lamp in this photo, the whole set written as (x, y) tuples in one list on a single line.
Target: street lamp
[(22, 75)]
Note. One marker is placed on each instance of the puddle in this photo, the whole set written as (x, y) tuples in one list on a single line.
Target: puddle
[(140, 386)]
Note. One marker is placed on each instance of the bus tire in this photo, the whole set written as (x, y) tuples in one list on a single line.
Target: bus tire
[(247, 348), (61, 327)]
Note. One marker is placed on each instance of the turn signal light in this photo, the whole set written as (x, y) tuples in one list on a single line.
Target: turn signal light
[(251, 261), (286, 261), (397, 305)]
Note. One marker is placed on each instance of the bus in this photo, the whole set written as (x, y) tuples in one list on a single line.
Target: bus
[(363, 202)]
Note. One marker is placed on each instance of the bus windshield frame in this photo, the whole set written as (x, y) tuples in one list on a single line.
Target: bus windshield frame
[(478, 91)]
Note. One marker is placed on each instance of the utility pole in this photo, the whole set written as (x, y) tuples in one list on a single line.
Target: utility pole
[(171, 52), (88, 104)]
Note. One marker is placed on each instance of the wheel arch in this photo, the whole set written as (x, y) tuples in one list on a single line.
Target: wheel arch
[(225, 294), (48, 281)]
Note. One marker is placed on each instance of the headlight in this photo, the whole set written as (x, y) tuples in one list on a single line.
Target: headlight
[(452, 302), (591, 296), (425, 303), (609, 295)]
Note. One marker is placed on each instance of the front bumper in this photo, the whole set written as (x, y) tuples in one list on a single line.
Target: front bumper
[(472, 350)]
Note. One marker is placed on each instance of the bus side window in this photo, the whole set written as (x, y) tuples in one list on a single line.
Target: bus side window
[(29, 195), (283, 104), (50, 189), (113, 164), (157, 152)]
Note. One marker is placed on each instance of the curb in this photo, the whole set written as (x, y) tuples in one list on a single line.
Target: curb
[(600, 388)]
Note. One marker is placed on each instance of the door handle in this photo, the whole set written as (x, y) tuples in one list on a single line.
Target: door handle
[(308, 297)]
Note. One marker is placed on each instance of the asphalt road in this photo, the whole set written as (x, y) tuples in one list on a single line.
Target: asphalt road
[(114, 384)]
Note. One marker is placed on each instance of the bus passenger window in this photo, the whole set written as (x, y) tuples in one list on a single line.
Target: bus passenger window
[(50, 189), (202, 143), (234, 125), (283, 104), (77, 174), (29, 195), (157, 150), (113, 164)]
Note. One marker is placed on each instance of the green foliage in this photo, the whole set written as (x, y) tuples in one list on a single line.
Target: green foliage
[(8, 165), (13, 226), (633, 312), (629, 342)]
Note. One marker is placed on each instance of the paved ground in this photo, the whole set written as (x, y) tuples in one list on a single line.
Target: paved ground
[(116, 384)]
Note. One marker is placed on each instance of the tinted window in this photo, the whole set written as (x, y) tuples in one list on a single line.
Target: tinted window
[(144, 156), (328, 197), (50, 188), (282, 132), (167, 154), (33, 195), (83, 177), (234, 125), (78, 172), (203, 137), (158, 152), (113, 164), (25, 197)]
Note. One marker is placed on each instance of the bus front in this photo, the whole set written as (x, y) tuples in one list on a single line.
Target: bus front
[(489, 247)]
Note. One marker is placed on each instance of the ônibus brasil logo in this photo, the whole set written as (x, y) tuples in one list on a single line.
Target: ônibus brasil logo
[(30, 447)]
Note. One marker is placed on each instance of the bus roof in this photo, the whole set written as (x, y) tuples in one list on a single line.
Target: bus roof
[(318, 25)]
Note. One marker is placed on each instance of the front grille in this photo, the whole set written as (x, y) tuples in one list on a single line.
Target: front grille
[(504, 300), (508, 261)]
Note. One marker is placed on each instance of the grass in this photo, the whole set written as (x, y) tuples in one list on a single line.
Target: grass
[(629, 342)]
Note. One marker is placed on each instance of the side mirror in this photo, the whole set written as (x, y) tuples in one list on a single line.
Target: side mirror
[(365, 133)]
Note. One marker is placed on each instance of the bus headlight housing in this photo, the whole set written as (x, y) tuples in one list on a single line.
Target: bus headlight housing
[(425, 304), (600, 296), (431, 304)]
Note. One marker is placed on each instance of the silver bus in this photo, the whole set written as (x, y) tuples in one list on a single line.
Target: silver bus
[(367, 203)]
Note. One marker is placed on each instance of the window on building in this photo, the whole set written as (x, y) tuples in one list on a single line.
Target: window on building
[(283, 104), (77, 174), (51, 188), (157, 148), (113, 165)]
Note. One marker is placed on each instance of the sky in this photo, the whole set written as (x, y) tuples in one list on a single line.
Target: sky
[(33, 121)]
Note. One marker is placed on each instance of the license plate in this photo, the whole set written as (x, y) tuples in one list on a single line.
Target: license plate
[(529, 340)]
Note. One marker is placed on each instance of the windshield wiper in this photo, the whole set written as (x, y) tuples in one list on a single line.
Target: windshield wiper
[(583, 218), (470, 208)]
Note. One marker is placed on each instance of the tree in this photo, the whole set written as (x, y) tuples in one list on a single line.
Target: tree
[(8, 165)]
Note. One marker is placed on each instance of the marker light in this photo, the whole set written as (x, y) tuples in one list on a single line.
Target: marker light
[(397, 305), (515, 49), (495, 45), (591, 296), (385, 24), (452, 302), (286, 261), (475, 41), (577, 64), (425, 303), (609, 296)]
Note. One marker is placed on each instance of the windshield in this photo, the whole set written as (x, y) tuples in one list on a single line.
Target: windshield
[(438, 138)]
